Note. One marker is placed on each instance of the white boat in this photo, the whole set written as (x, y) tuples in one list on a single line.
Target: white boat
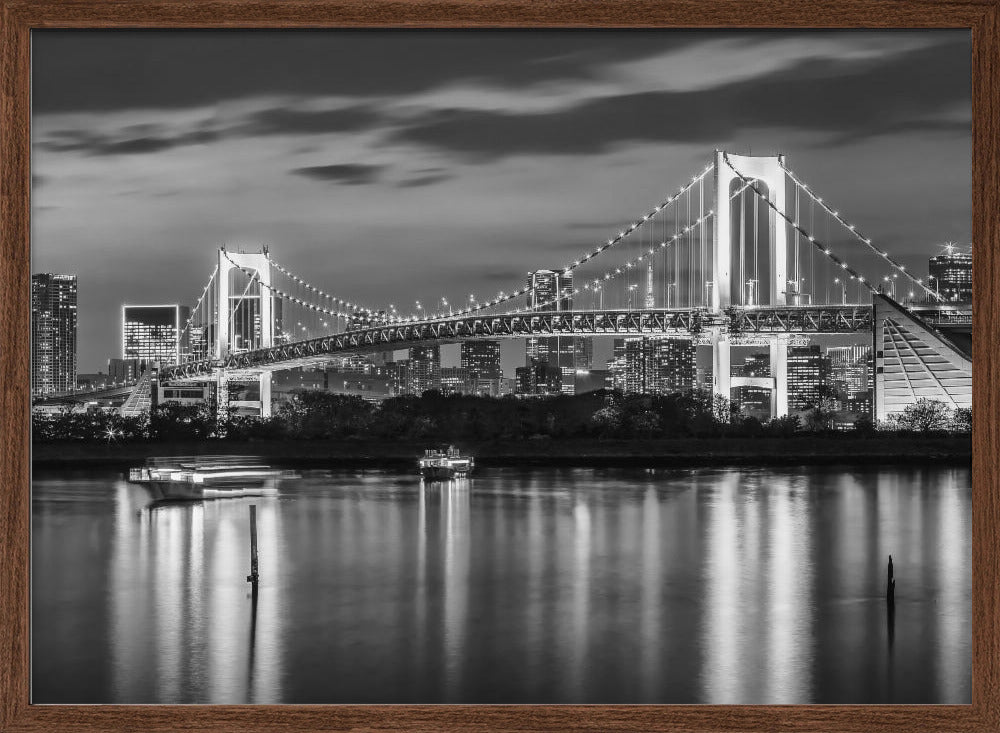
[(437, 465), (192, 478)]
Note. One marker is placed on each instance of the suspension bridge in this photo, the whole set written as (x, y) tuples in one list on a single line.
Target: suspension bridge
[(744, 252)]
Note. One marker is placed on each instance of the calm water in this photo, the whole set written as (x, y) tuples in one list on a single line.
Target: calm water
[(588, 585)]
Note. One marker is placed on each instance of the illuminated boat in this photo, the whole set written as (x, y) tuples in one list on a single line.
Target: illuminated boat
[(437, 465), (207, 477)]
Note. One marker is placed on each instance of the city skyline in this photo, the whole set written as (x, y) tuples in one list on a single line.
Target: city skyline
[(342, 172)]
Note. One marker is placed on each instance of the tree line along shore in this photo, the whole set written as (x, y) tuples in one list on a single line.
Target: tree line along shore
[(599, 428)]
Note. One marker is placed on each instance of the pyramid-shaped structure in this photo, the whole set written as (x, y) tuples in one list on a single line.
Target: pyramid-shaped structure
[(915, 360)]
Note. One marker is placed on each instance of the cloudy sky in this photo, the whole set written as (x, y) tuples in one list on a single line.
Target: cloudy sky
[(394, 166)]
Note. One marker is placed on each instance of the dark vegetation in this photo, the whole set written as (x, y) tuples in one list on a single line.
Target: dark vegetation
[(434, 418)]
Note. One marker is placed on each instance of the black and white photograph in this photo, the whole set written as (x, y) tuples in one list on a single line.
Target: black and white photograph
[(501, 366)]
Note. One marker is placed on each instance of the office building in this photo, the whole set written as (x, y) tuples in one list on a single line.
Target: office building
[(616, 366), (670, 365), (424, 371), (538, 378), (655, 365), (635, 366), (950, 276), (455, 380), (851, 377), (808, 370), (154, 333), (553, 291), (53, 333), (124, 370), (481, 359), (398, 376)]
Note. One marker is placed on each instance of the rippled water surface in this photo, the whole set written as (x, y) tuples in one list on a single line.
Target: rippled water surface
[(583, 585)]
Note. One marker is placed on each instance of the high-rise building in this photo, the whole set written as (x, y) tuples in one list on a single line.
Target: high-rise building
[(124, 370), (657, 365), (154, 333), (481, 359), (53, 333), (553, 291), (635, 366), (424, 369), (616, 366), (808, 370), (398, 375), (950, 276), (455, 380), (850, 376), (538, 378), (670, 365)]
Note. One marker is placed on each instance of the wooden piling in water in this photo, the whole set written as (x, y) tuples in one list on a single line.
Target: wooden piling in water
[(252, 577), (890, 586)]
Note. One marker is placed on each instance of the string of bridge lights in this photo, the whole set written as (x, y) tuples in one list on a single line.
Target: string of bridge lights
[(570, 267), (598, 283), (502, 297), (204, 292), (282, 294), (855, 275), (854, 230), (353, 306)]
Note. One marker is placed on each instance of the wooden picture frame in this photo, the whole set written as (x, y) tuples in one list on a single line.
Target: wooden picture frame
[(19, 17)]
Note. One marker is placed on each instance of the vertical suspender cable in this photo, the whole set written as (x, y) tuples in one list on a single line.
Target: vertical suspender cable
[(743, 244)]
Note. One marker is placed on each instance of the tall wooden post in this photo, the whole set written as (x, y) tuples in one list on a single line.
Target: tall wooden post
[(252, 577), (890, 586)]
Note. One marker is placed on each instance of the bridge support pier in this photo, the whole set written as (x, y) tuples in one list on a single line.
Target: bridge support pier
[(779, 373), (721, 365), (264, 382)]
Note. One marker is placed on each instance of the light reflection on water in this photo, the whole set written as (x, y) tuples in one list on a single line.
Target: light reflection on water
[(584, 585)]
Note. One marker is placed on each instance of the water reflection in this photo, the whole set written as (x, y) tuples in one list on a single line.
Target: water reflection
[(720, 586)]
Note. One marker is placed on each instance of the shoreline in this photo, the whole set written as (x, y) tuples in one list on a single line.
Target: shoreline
[(583, 452)]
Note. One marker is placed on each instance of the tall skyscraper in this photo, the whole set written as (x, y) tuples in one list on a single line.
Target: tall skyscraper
[(808, 370), (481, 359), (424, 371), (656, 365), (53, 333), (850, 375), (951, 276), (553, 291), (635, 366), (154, 333), (670, 365), (616, 366)]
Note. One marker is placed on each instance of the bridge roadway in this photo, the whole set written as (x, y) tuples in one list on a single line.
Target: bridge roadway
[(617, 322)]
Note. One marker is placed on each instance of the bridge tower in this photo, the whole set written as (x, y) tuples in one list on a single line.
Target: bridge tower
[(245, 320), (768, 174)]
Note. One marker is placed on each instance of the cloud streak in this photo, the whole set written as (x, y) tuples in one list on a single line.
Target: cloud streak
[(847, 101), (348, 174)]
